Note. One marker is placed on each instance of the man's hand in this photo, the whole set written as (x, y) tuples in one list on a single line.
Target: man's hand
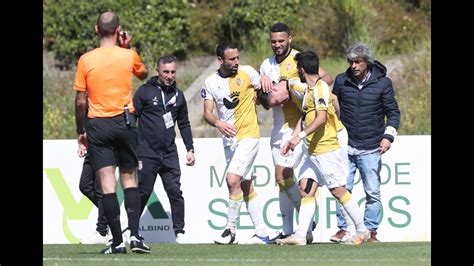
[(385, 145), (226, 129), (190, 158), (289, 145), (125, 39), (266, 84), (82, 141)]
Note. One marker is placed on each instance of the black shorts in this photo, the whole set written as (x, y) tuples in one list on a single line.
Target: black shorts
[(112, 142)]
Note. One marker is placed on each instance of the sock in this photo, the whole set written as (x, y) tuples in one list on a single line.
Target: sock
[(316, 206), (292, 191), (349, 223), (287, 212), (306, 216), (254, 208), (132, 205), (233, 212), (112, 212), (287, 205), (349, 204)]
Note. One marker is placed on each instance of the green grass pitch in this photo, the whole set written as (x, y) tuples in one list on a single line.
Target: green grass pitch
[(389, 253)]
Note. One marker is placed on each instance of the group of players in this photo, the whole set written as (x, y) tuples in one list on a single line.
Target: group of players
[(307, 140)]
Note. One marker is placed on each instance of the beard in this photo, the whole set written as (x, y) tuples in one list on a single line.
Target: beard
[(301, 76)]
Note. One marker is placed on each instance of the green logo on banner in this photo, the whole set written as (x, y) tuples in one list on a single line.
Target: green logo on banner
[(80, 211)]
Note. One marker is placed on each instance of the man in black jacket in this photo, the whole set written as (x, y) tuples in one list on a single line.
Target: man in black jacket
[(159, 104), (369, 111)]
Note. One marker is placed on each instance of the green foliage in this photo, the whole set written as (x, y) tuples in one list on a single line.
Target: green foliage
[(58, 105), (68, 26), (414, 92), (248, 20), (157, 27), (205, 18), (392, 28), (400, 27)]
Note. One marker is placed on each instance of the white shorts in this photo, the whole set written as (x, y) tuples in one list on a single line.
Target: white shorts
[(240, 157), (326, 169), (278, 138)]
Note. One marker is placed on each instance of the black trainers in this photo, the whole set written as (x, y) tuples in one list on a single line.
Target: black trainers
[(226, 238), (120, 249), (137, 245), (279, 236)]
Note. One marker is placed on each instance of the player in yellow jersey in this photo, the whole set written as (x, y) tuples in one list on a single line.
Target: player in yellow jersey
[(294, 90), (232, 89), (323, 162), (278, 68)]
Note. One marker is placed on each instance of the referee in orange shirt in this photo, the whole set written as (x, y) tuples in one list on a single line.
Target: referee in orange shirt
[(105, 74)]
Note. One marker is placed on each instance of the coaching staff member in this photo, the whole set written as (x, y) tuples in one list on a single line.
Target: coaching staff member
[(105, 74), (160, 105)]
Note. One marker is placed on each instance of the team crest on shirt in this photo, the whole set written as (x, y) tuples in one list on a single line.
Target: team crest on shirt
[(235, 100), (155, 101), (322, 102), (288, 67), (203, 93), (238, 81)]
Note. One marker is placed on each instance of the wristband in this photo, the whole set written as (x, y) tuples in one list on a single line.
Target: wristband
[(391, 131), (302, 135)]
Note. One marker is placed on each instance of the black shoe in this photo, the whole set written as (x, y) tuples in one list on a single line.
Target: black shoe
[(226, 238), (137, 245), (120, 249), (279, 236)]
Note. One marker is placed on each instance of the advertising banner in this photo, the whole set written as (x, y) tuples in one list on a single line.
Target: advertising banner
[(69, 216)]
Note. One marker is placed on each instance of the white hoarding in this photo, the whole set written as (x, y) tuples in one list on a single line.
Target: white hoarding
[(406, 195)]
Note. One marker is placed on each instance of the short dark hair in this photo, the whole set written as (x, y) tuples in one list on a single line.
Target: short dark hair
[(262, 98), (280, 27), (107, 23), (222, 46), (309, 61), (166, 59)]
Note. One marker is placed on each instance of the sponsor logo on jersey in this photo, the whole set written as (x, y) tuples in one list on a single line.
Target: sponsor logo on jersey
[(235, 100), (321, 101)]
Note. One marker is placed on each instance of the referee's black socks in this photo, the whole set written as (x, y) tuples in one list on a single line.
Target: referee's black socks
[(132, 205), (112, 212)]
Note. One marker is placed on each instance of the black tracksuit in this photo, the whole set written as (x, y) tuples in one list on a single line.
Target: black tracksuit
[(156, 143)]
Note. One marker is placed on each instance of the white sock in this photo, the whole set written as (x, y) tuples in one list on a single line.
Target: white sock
[(254, 208), (235, 202), (293, 193), (306, 216), (349, 223), (349, 204), (316, 196), (287, 212)]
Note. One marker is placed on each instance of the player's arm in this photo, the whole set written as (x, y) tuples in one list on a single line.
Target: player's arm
[(225, 128), (293, 141), (325, 76), (266, 84), (320, 120)]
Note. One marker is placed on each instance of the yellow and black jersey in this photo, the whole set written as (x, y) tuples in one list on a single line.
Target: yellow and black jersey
[(323, 139)]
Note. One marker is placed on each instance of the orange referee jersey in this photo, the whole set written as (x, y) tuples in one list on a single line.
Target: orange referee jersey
[(106, 75)]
